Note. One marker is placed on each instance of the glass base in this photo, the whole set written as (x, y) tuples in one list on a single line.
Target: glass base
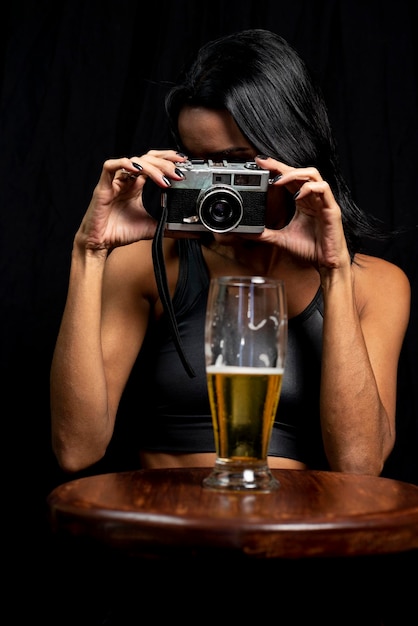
[(241, 476)]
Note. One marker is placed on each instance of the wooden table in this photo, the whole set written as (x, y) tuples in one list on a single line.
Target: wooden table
[(167, 513), (326, 548)]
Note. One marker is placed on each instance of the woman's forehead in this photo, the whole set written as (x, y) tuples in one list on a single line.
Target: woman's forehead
[(211, 132)]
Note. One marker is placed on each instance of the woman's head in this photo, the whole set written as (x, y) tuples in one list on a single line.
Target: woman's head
[(266, 87), (261, 81)]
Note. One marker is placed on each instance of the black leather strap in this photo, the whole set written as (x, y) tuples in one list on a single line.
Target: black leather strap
[(161, 278)]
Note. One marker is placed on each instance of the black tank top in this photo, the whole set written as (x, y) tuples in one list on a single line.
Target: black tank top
[(178, 417)]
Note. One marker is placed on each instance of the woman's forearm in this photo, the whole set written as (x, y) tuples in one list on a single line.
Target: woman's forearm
[(81, 424), (357, 431)]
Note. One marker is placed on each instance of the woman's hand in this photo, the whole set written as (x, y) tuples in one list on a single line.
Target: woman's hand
[(116, 215), (315, 232)]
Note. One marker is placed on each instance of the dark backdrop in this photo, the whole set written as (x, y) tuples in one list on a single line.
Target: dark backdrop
[(84, 81)]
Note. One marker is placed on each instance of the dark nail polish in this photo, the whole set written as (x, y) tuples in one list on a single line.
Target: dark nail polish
[(179, 173), (166, 180), (182, 155), (296, 195), (137, 165), (276, 178), (263, 157)]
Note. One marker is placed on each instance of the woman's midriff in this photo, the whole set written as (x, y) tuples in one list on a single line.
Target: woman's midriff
[(161, 460)]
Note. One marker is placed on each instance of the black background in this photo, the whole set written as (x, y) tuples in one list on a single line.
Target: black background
[(85, 81)]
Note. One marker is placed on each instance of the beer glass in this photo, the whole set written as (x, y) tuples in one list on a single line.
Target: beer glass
[(245, 348)]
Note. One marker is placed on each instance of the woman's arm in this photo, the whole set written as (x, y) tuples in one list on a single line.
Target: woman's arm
[(101, 333), (107, 309), (365, 318), (366, 312)]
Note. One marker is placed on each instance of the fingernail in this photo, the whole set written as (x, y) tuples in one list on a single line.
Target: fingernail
[(184, 156), (179, 172), (166, 180), (276, 178), (296, 195), (263, 157), (137, 165)]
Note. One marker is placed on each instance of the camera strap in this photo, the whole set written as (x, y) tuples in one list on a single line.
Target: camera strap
[(162, 284)]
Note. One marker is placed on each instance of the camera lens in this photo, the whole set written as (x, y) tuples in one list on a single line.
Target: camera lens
[(220, 209)]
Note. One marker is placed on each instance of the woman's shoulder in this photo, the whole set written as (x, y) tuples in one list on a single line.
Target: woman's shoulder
[(131, 258), (131, 268), (372, 267), (377, 278)]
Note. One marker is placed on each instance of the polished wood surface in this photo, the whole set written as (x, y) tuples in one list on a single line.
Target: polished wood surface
[(163, 513)]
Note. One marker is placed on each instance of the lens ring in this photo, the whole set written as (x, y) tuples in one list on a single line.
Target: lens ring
[(220, 208)]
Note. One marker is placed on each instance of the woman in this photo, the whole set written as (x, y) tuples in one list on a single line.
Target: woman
[(247, 97)]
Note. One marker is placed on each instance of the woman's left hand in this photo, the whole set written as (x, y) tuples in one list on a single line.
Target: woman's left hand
[(315, 232)]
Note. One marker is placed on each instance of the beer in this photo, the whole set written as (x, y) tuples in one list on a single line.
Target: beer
[(243, 402), (245, 348)]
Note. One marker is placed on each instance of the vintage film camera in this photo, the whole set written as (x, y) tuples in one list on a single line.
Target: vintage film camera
[(217, 196)]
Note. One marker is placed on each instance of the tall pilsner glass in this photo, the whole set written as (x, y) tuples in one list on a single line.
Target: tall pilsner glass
[(245, 347)]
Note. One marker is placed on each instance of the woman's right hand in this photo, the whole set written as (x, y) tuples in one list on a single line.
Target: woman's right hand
[(116, 215)]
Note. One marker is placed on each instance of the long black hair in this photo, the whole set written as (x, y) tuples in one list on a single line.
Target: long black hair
[(278, 106)]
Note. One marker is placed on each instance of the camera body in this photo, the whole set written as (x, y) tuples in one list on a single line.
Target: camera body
[(217, 196)]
